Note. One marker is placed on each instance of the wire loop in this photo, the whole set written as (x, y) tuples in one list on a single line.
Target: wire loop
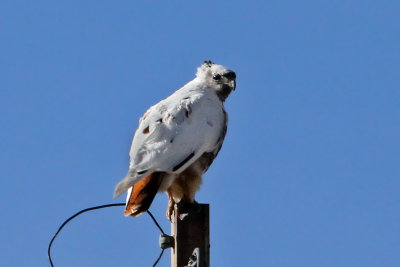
[(95, 208)]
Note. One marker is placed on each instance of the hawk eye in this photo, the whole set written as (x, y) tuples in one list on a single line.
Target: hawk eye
[(217, 77)]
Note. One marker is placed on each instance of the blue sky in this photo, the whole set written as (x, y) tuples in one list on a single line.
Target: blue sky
[(309, 171)]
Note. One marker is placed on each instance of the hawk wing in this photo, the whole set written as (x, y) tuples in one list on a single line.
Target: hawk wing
[(173, 134)]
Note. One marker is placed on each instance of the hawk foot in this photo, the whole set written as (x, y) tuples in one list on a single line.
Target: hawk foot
[(170, 209), (183, 207)]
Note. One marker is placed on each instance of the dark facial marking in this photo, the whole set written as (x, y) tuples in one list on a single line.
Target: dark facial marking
[(217, 77), (224, 92)]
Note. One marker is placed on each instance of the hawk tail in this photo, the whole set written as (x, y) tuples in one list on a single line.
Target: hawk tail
[(142, 194)]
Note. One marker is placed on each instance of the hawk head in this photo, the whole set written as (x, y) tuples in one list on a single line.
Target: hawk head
[(217, 77)]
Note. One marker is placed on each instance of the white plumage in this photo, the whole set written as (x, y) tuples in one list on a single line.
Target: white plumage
[(177, 131)]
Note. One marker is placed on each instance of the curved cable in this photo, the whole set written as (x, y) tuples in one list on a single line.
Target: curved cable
[(159, 258), (95, 208), (155, 221)]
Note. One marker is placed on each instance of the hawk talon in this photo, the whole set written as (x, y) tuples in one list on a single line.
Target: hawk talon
[(170, 209)]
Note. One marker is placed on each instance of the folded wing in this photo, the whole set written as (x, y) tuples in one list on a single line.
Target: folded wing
[(172, 135)]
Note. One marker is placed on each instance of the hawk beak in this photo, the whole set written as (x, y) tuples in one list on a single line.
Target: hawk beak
[(231, 77), (232, 84)]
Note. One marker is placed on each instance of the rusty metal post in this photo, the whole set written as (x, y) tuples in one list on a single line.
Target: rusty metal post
[(191, 231)]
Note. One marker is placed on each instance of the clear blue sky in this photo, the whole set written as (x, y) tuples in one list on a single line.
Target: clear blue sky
[(309, 171)]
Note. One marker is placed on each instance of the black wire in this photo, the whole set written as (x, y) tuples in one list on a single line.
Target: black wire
[(154, 220), (95, 208), (73, 216), (159, 227), (159, 258)]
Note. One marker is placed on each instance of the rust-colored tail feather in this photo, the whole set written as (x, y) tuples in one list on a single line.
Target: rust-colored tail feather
[(142, 195)]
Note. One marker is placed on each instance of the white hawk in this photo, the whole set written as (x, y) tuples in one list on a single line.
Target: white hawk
[(177, 140)]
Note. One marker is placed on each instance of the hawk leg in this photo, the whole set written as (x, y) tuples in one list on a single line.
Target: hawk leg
[(184, 208), (170, 209)]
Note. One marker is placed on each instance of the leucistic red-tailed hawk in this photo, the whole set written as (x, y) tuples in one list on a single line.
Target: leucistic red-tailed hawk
[(177, 140)]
